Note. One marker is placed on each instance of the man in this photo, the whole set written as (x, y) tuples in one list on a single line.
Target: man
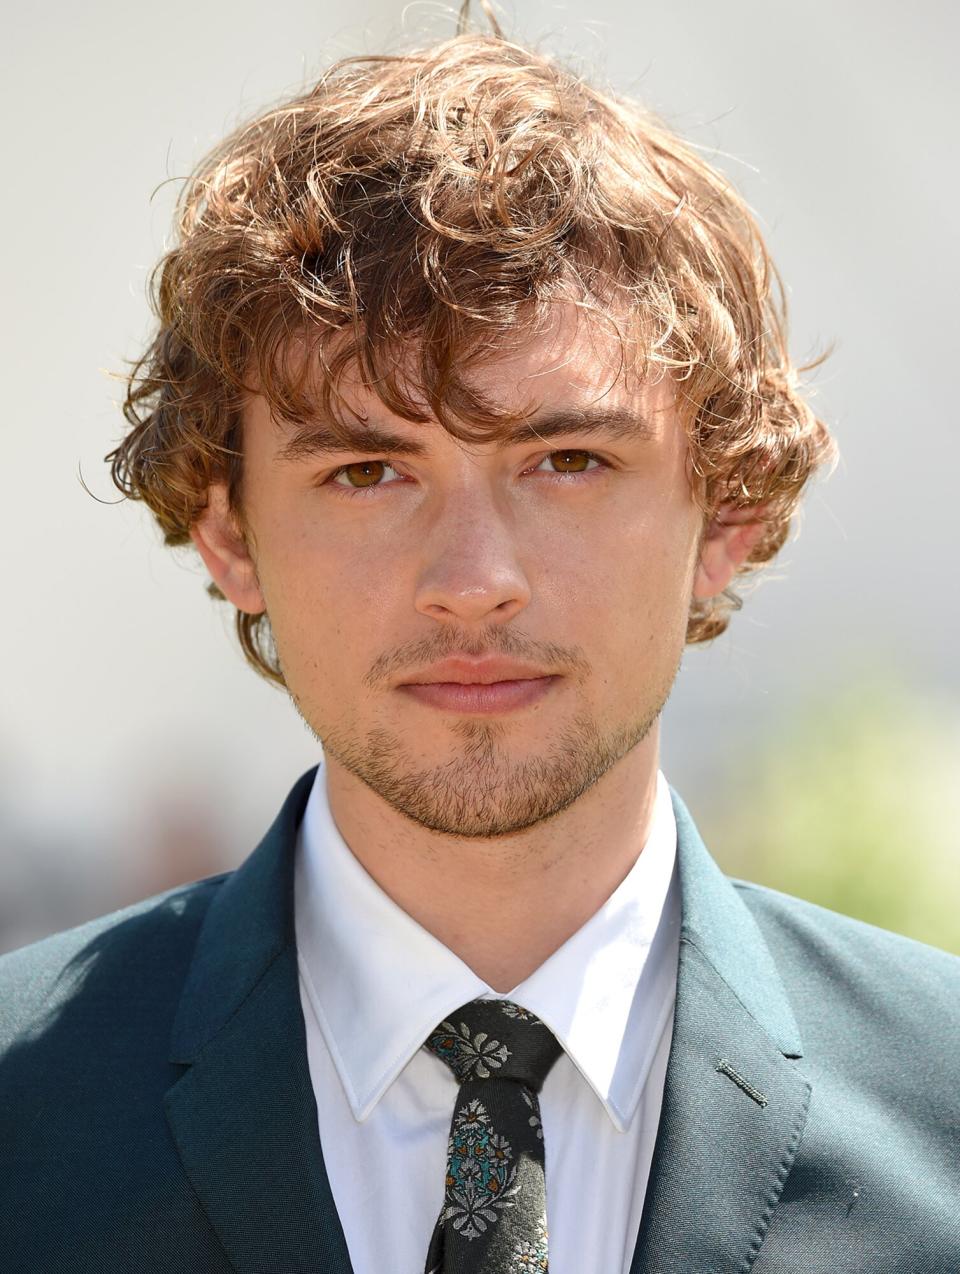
[(470, 391)]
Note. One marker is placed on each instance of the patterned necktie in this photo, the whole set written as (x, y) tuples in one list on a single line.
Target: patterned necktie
[(494, 1214)]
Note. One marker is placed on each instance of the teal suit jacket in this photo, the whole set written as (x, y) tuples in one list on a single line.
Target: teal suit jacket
[(157, 1114)]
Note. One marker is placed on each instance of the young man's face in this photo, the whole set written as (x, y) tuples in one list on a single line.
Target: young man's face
[(577, 555)]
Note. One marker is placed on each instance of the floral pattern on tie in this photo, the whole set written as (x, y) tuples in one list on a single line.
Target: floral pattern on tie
[(469, 1056), (481, 1175), (534, 1120), (530, 1257), (519, 1013)]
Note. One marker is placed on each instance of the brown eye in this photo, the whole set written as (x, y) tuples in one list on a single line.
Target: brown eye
[(362, 473), (570, 461)]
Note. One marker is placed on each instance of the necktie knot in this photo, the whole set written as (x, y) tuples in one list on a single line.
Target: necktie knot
[(489, 1039)]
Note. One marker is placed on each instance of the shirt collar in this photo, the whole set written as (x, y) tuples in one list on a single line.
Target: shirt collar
[(378, 982)]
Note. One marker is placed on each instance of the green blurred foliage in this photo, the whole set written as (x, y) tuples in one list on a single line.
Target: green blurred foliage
[(854, 803)]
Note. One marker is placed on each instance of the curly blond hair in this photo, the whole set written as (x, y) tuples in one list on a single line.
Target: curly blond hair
[(439, 201)]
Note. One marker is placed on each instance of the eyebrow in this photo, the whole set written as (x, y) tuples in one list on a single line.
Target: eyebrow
[(585, 422)]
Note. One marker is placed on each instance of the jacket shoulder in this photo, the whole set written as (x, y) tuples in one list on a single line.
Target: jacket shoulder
[(845, 970), (809, 923), (152, 937)]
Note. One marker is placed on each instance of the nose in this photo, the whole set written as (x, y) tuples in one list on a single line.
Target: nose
[(470, 567)]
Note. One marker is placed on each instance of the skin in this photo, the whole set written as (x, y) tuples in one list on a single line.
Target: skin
[(531, 550)]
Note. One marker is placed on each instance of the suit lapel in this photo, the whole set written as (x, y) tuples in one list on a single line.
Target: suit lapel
[(243, 1115), (734, 1104)]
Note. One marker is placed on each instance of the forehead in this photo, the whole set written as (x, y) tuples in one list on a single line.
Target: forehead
[(572, 355), (575, 361)]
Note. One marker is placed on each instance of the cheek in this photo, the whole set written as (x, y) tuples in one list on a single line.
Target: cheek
[(325, 596), (651, 559), (652, 588), (295, 580), (622, 592)]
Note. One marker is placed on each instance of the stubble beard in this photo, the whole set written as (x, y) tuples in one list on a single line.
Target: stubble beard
[(483, 791)]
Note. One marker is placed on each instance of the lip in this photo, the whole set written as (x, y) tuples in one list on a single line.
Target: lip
[(481, 697), (469, 672)]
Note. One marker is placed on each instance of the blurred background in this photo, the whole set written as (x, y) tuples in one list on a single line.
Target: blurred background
[(817, 742)]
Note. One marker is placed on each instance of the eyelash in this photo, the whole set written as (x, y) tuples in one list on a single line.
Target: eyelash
[(350, 492)]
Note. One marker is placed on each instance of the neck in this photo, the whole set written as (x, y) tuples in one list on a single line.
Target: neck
[(575, 860)]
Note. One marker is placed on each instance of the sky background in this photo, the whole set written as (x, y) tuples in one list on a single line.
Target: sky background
[(136, 748)]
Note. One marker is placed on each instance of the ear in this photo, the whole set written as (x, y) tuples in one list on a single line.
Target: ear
[(220, 543), (727, 543)]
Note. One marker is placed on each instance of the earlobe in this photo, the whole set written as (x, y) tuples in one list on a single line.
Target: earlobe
[(728, 542), (225, 553)]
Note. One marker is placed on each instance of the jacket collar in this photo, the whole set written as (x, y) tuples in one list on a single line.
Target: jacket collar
[(249, 924), (734, 1103), (718, 924), (243, 1115)]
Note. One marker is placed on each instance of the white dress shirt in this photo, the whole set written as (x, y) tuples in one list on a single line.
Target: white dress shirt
[(374, 984)]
